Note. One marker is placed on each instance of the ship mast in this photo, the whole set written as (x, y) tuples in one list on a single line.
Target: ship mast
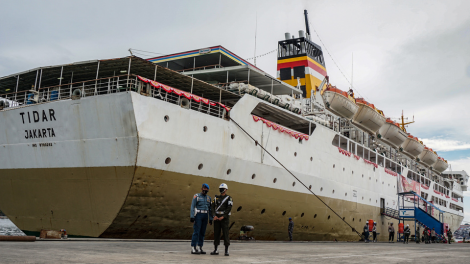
[(403, 124)]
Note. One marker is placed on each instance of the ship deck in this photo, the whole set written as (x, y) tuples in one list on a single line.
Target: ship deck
[(136, 251)]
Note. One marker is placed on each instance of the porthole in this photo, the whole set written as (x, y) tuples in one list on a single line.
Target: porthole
[(344, 169), (362, 197), (310, 187), (382, 182), (293, 184), (360, 220), (362, 175), (389, 185), (204, 129), (328, 217), (200, 166), (393, 186), (315, 216), (253, 176), (382, 223), (311, 158), (321, 189), (352, 172), (302, 215), (167, 160), (229, 171), (284, 213), (333, 191), (166, 118), (232, 136), (262, 211), (387, 203), (239, 208), (333, 166), (275, 180), (375, 201), (373, 168), (353, 219), (295, 154), (376, 180), (277, 148), (370, 178), (370, 199), (345, 194)]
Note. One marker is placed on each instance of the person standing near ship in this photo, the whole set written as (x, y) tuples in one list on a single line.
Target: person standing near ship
[(221, 211), (391, 233), (200, 213), (290, 228), (407, 233), (433, 235), (449, 235), (374, 232), (417, 238)]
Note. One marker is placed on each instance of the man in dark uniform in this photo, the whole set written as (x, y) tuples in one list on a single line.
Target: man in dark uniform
[(417, 233), (199, 214), (221, 210), (290, 228)]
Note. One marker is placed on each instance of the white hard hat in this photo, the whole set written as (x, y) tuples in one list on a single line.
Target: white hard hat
[(223, 186)]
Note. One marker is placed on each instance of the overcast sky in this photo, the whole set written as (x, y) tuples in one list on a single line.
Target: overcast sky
[(408, 55)]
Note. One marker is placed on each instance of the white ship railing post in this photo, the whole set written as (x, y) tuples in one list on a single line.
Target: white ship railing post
[(17, 82), (96, 79), (128, 73), (192, 83)]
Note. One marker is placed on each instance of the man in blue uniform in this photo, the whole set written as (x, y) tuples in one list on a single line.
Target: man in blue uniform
[(199, 215)]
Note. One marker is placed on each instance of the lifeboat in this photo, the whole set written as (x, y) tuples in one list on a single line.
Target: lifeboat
[(428, 156), (412, 147), (339, 102), (440, 165), (368, 117), (391, 133)]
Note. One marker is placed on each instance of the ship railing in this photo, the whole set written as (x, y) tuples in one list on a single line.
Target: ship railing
[(75, 90), (374, 156), (103, 86)]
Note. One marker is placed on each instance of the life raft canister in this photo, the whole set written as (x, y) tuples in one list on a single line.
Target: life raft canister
[(400, 228), (371, 224)]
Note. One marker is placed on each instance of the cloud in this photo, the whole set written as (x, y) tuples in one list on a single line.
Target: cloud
[(438, 144)]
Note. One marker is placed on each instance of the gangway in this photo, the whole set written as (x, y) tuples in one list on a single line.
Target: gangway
[(420, 211)]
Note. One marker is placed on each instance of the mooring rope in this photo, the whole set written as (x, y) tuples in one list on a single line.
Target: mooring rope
[(257, 144)]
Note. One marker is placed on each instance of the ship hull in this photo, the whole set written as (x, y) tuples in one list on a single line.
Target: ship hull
[(126, 166)]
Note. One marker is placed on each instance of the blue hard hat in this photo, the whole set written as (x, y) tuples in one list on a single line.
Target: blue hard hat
[(205, 185), (290, 218)]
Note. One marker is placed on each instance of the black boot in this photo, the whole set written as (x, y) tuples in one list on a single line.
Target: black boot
[(215, 252), (226, 251), (195, 251), (201, 251)]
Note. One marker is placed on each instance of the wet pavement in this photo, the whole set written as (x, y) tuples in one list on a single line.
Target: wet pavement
[(127, 251)]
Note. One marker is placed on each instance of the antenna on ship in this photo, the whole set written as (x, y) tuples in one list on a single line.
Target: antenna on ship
[(352, 69), (256, 31), (403, 124), (307, 29)]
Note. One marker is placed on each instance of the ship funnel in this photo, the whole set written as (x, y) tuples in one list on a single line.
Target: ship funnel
[(287, 35), (301, 34)]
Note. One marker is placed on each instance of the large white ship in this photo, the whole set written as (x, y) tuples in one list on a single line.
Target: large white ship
[(116, 148)]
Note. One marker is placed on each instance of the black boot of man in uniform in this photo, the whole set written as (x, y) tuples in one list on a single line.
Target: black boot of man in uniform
[(221, 208)]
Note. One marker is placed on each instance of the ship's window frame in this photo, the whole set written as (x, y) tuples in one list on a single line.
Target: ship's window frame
[(285, 74), (299, 72)]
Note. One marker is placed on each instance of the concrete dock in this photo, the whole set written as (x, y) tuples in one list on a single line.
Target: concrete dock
[(139, 251)]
